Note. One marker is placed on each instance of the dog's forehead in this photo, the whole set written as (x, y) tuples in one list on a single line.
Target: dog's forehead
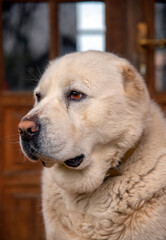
[(90, 69)]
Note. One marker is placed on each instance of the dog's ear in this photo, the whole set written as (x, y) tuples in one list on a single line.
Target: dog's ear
[(134, 85)]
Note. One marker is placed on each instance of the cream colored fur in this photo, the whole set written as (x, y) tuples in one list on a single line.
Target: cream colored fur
[(116, 115)]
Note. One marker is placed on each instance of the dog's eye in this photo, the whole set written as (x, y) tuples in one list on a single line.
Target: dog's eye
[(38, 97), (76, 96)]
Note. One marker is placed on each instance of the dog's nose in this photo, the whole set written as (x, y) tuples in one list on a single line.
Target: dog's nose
[(28, 129)]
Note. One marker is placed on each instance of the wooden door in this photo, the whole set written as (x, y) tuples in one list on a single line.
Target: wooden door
[(154, 16), (152, 53), (30, 34), (131, 21), (21, 54)]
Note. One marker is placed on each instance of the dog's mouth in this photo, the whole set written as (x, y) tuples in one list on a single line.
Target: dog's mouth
[(74, 162), (33, 154)]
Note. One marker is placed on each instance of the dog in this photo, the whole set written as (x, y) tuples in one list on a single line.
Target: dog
[(102, 142)]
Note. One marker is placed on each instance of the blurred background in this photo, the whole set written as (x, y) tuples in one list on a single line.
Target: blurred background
[(34, 32)]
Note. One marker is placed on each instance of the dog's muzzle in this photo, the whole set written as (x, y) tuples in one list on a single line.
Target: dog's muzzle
[(29, 129)]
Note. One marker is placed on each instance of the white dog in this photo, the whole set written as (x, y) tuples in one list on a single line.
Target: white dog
[(103, 143)]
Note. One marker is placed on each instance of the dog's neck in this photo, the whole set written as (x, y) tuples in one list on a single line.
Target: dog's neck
[(115, 171)]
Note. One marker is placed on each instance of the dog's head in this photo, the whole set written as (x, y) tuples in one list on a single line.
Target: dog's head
[(90, 108)]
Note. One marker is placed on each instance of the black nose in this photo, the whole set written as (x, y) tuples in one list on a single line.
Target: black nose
[(28, 129)]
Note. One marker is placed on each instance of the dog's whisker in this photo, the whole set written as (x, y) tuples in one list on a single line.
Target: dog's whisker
[(10, 137), (18, 115), (17, 142), (35, 79), (39, 72)]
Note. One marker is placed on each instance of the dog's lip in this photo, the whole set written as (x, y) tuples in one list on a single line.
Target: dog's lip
[(48, 162), (45, 160), (74, 162), (33, 155)]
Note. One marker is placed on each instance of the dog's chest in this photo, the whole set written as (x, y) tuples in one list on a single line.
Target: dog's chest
[(94, 216)]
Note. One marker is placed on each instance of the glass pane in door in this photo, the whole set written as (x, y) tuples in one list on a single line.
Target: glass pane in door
[(160, 52), (81, 26), (25, 43)]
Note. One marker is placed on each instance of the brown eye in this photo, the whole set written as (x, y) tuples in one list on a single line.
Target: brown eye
[(38, 97), (76, 96)]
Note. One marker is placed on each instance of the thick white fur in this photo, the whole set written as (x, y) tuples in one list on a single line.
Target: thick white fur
[(116, 115)]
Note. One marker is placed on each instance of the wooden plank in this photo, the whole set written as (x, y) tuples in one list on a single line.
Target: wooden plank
[(20, 99), (25, 1), (148, 17), (23, 218), (116, 26), (1, 54), (133, 16), (61, 1), (54, 31)]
